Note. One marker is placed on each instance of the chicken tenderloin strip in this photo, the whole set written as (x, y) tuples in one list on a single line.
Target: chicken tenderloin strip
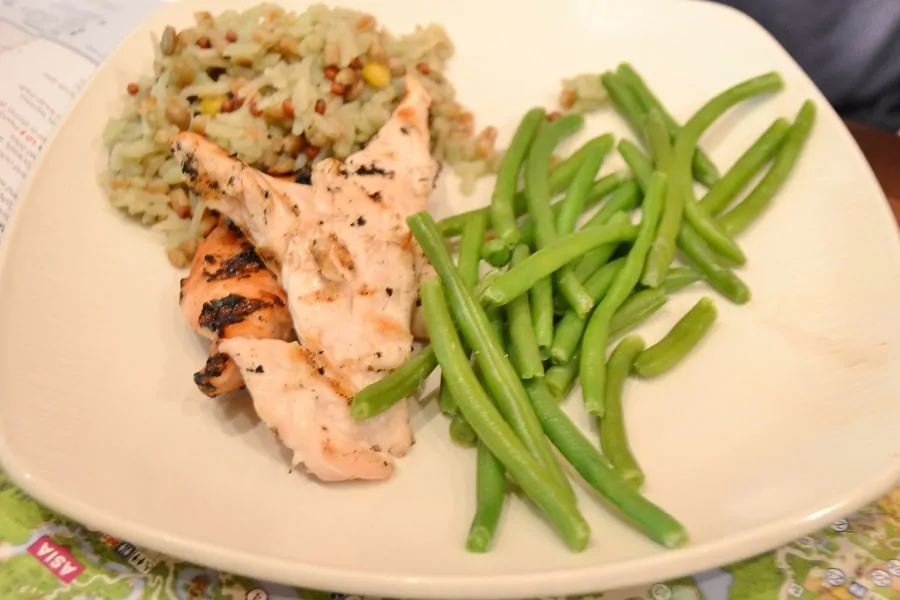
[(306, 410), (229, 292)]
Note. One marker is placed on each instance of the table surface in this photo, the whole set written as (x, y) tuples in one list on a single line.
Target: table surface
[(857, 558)]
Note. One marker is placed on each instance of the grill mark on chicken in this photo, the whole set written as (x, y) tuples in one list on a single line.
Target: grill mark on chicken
[(365, 170), (239, 266), (233, 308), (214, 367)]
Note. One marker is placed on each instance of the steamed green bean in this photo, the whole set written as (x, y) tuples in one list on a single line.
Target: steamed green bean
[(748, 210), (596, 470), (575, 199), (751, 162), (521, 277), (679, 341), (637, 162), (560, 379), (488, 423), (571, 325), (502, 207), (721, 278), (704, 170), (613, 435), (593, 346), (379, 396), (524, 347), (635, 310), (663, 250), (490, 492), (499, 375)]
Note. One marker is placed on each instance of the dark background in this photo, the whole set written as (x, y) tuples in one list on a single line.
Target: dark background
[(850, 48)]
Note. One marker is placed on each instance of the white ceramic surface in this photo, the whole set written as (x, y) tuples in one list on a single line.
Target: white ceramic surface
[(786, 417)]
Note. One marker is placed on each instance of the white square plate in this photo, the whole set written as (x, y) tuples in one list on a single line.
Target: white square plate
[(786, 417)]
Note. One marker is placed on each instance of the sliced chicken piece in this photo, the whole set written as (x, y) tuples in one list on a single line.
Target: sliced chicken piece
[(307, 411), (265, 208), (349, 264), (229, 292)]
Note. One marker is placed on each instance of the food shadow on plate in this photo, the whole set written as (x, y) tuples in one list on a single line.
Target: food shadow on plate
[(236, 418)]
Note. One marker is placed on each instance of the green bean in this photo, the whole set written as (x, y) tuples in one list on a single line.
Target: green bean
[(658, 141), (571, 326), (596, 470), (613, 437), (680, 278), (561, 378), (711, 232), (593, 346), (499, 375), (470, 249), (502, 209), (601, 188), (379, 396), (520, 278), (635, 310), (605, 186), (718, 240), (490, 492), (525, 353), (679, 341), (748, 210), (492, 429), (624, 101), (625, 198), (537, 192), (541, 298), (563, 173), (461, 433), (745, 168), (470, 244), (638, 162), (453, 225), (495, 253), (721, 278), (663, 250), (591, 262), (561, 177), (537, 175), (446, 401), (576, 197), (704, 169)]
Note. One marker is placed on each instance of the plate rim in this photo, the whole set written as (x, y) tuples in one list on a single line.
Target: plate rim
[(680, 562)]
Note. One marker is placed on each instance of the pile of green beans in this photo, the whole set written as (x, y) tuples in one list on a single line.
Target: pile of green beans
[(566, 286)]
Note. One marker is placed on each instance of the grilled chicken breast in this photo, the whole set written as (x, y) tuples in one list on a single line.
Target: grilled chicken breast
[(229, 292), (350, 269)]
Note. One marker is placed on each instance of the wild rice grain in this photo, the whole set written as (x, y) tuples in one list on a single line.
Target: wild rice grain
[(287, 107)]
